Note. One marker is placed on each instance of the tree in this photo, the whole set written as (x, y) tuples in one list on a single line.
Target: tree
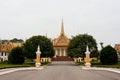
[(3, 41), (31, 44), (16, 40), (108, 55), (77, 46), (16, 56)]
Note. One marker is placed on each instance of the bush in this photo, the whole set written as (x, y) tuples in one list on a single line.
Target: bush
[(16, 56), (108, 56)]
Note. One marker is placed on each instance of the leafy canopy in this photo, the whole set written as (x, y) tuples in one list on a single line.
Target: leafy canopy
[(15, 40), (31, 44), (77, 46)]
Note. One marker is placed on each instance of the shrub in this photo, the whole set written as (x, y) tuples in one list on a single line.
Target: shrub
[(16, 56), (108, 56)]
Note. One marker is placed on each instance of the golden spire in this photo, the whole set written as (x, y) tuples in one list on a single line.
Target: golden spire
[(62, 28)]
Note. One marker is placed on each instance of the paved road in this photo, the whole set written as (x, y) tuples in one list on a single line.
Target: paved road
[(61, 71)]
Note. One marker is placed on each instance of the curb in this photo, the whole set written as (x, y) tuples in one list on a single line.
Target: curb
[(18, 69), (106, 69)]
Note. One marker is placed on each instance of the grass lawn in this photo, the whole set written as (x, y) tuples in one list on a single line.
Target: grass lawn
[(28, 63), (80, 63), (5, 64), (98, 64)]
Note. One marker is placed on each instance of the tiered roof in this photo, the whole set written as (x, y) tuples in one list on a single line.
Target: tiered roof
[(62, 40)]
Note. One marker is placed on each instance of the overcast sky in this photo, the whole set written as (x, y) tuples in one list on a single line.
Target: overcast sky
[(25, 18)]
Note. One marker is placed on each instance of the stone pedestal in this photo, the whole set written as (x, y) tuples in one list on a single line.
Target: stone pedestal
[(88, 65), (37, 65)]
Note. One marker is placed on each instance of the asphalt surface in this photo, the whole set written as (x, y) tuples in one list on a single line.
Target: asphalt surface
[(61, 71)]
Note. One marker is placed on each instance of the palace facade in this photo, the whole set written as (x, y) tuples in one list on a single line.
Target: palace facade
[(60, 45), (117, 48), (5, 49)]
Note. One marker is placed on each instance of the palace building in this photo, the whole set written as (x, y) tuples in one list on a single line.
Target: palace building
[(60, 46), (5, 49), (117, 48)]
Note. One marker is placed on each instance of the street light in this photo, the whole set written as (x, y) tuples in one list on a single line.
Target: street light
[(101, 43)]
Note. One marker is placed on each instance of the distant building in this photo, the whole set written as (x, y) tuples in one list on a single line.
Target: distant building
[(5, 49), (117, 48), (60, 45)]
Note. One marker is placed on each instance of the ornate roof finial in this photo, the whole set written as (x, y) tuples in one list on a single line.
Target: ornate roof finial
[(38, 50), (87, 50), (62, 27)]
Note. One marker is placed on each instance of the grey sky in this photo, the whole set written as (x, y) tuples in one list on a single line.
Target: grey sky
[(25, 18)]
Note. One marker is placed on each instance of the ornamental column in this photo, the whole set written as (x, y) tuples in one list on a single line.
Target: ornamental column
[(37, 64), (87, 58), (60, 52), (56, 53), (64, 52)]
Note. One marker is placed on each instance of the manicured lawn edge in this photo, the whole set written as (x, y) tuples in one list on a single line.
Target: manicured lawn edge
[(98, 64), (4, 65)]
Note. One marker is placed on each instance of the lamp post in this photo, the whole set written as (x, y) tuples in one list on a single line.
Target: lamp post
[(101, 43), (37, 64), (87, 58)]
